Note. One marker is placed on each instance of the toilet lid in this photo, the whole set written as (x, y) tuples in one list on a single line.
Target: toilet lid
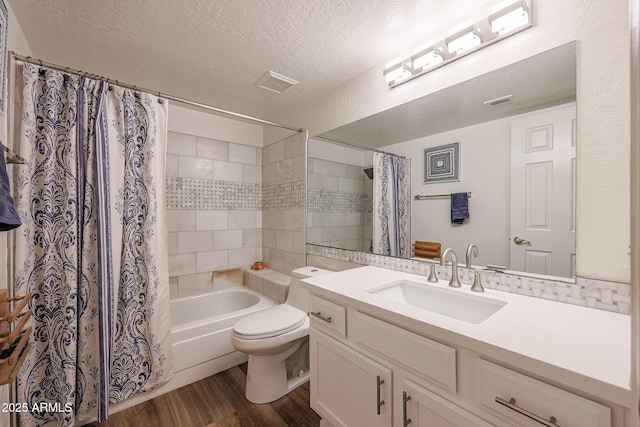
[(270, 322)]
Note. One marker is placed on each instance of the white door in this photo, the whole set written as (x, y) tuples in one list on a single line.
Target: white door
[(543, 170)]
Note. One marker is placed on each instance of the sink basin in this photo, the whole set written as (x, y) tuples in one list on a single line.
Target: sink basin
[(448, 302)]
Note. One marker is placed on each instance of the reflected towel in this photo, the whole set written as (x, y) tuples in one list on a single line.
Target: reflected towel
[(8, 216), (459, 207)]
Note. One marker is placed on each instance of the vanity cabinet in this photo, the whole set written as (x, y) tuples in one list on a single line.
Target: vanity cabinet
[(366, 371), (348, 388), (351, 389), (422, 407), (529, 402)]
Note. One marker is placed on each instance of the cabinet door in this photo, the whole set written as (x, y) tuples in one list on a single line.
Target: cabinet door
[(425, 408), (348, 388)]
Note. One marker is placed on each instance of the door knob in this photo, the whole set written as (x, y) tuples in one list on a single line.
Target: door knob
[(520, 241)]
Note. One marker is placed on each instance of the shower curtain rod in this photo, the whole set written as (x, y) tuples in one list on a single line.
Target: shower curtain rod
[(353, 144), (153, 92)]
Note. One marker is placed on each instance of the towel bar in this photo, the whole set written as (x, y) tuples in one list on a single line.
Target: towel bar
[(436, 196)]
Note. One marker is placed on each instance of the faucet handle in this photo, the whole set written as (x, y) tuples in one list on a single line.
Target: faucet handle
[(477, 282), (432, 274)]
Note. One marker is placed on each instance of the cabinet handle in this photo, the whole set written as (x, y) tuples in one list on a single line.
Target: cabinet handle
[(511, 404), (405, 398), (379, 402), (319, 315)]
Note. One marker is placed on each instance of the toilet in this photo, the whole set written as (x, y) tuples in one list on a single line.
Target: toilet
[(277, 342)]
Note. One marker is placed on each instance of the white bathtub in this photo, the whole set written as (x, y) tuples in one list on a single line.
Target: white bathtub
[(201, 335), (201, 324)]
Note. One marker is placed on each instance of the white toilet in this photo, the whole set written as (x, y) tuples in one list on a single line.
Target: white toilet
[(277, 341)]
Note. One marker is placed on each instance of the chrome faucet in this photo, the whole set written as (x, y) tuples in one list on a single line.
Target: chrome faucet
[(472, 250), (449, 253)]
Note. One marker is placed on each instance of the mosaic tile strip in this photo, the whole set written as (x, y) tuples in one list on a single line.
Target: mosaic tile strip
[(194, 193), (338, 201), (284, 195), (598, 294)]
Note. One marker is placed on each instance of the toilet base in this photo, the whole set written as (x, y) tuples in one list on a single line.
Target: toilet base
[(267, 376)]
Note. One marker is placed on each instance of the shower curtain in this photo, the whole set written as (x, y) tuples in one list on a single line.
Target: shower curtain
[(391, 204), (93, 247)]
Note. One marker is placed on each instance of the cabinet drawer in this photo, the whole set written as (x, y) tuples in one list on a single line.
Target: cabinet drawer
[(432, 360), (530, 402), (425, 408), (328, 316)]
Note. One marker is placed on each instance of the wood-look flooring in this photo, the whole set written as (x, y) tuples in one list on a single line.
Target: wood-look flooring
[(217, 401)]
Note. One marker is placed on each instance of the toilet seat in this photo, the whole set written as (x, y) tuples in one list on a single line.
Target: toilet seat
[(268, 323)]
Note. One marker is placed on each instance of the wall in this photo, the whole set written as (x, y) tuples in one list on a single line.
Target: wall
[(214, 200), (340, 205), (484, 171), (283, 223), (17, 42), (602, 29), (339, 209)]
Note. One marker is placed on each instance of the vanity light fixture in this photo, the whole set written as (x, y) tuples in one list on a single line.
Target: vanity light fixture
[(463, 40), (395, 71), (506, 19), (426, 57)]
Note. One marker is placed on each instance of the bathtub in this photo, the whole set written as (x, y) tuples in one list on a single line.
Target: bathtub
[(201, 334), (201, 324)]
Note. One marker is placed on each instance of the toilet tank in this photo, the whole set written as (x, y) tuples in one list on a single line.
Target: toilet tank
[(298, 297)]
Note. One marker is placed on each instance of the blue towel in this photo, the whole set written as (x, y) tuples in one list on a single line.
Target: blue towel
[(8, 216), (459, 207)]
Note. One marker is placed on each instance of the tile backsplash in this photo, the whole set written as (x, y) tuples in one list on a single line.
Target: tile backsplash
[(598, 294)]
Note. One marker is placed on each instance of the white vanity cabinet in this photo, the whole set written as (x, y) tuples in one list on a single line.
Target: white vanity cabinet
[(353, 385), (348, 388), (528, 402), (422, 407), (366, 371)]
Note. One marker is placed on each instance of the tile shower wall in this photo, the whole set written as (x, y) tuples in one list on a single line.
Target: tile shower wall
[(214, 218), (283, 198), (340, 205)]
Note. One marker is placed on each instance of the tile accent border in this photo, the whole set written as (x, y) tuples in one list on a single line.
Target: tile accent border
[(203, 194), (339, 201), (288, 194), (598, 294)]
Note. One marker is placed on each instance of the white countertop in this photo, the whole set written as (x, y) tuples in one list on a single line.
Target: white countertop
[(584, 348)]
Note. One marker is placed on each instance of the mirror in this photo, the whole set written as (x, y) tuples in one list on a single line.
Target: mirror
[(516, 132)]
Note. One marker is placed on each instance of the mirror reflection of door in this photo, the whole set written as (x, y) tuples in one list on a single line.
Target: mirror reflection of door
[(543, 156)]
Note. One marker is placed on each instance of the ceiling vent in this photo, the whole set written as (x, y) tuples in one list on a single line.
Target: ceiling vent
[(275, 82), (499, 101)]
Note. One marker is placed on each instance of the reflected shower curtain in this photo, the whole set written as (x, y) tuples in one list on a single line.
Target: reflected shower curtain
[(391, 206), (93, 247)]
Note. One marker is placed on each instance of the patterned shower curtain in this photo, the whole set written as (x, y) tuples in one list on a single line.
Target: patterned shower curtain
[(391, 206), (93, 247)]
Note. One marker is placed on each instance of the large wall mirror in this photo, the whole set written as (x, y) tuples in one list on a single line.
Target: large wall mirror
[(516, 137)]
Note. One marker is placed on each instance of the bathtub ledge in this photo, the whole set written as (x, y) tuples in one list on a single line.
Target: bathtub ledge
[(268, 282)]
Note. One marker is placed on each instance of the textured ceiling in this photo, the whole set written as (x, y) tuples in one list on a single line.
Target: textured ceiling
[(214, 51)]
